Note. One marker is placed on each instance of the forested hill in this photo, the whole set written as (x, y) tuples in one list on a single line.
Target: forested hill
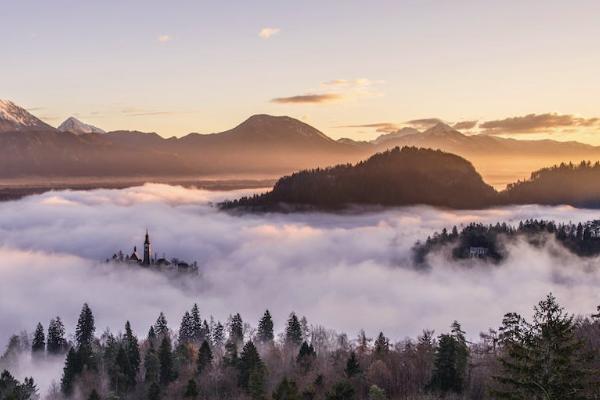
[(576, 185), (397, 177)]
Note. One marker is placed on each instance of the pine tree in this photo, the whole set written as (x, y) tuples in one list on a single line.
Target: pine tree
[(249, 361), (122, 371), (352, 366), (381, 345), (196, 324), (230, 358), (541, 359), (306, 355), (218, 335), (151, 366), (450, 363), (133, 353), (186, 329), (205, 332), (293, 332), (286, 390), (191, 390), (257, 383), (236, 329), (265, 329), (56, 342), (165, 356), (161, 327), (73, 367), (84, 332), (205, 357), (38, 345), (151, 335), (12, 389)]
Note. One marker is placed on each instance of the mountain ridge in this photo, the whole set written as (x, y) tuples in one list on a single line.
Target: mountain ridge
[(261, 145)]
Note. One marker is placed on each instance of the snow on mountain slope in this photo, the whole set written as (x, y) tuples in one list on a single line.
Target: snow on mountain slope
[(77, 127), (15, 118)]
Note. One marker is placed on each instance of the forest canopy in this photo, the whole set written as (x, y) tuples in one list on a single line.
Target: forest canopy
[(553, 355), (409, 176)]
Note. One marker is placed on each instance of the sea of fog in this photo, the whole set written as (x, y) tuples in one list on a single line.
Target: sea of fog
[(345, 271)]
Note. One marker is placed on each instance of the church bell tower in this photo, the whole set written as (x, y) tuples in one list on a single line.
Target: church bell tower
[(147, 250)]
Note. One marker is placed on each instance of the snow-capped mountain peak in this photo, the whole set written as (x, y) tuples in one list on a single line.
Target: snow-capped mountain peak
[(77, 127), (15, 118)]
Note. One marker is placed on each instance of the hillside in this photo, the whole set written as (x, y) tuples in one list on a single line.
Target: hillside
[(576, 185), (489, 242), (395, 177)]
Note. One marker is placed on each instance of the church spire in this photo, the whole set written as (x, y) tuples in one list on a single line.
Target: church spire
[(147, 250)]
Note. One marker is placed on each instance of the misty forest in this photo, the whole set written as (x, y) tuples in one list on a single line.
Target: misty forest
[(582, 239), (299, 200), (389, 315), (553, 355)]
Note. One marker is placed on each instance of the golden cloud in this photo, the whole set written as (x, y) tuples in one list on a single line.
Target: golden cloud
[(535, 123), (308, 98)]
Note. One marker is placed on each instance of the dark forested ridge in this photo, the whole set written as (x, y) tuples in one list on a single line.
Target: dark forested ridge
[(410, 175), (489, 241), (551, 356), (574, 184), (401, 176)]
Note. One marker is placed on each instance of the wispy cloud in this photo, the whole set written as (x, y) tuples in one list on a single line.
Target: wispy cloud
[(308, 98), (465, 125), (535, 123), (384, 127), (423, 123), (164, 38), (334, 90), (266, 33)]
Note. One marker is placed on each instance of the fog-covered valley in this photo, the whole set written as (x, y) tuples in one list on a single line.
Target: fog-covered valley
[(346, 271)]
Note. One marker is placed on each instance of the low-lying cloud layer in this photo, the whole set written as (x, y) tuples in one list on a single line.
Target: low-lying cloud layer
[(345, 271)]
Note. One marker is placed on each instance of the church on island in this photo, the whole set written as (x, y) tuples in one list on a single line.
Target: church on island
[(148, 260)]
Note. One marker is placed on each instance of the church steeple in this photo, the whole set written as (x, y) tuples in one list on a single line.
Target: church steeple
[(147, 250)]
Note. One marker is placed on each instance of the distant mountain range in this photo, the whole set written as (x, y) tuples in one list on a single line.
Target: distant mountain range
[(263, 145)]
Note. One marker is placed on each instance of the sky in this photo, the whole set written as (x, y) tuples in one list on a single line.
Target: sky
[(520, 69)]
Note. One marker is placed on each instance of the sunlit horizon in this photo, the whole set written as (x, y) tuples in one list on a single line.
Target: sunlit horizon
[(349, 70)]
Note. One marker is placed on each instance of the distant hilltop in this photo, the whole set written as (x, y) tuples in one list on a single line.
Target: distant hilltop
[(414, 176), (489, 242), (147, 260)]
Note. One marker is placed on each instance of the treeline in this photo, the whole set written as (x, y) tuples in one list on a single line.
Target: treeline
[(552, 356), (575, 184), (410, 175), (582, 239)]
